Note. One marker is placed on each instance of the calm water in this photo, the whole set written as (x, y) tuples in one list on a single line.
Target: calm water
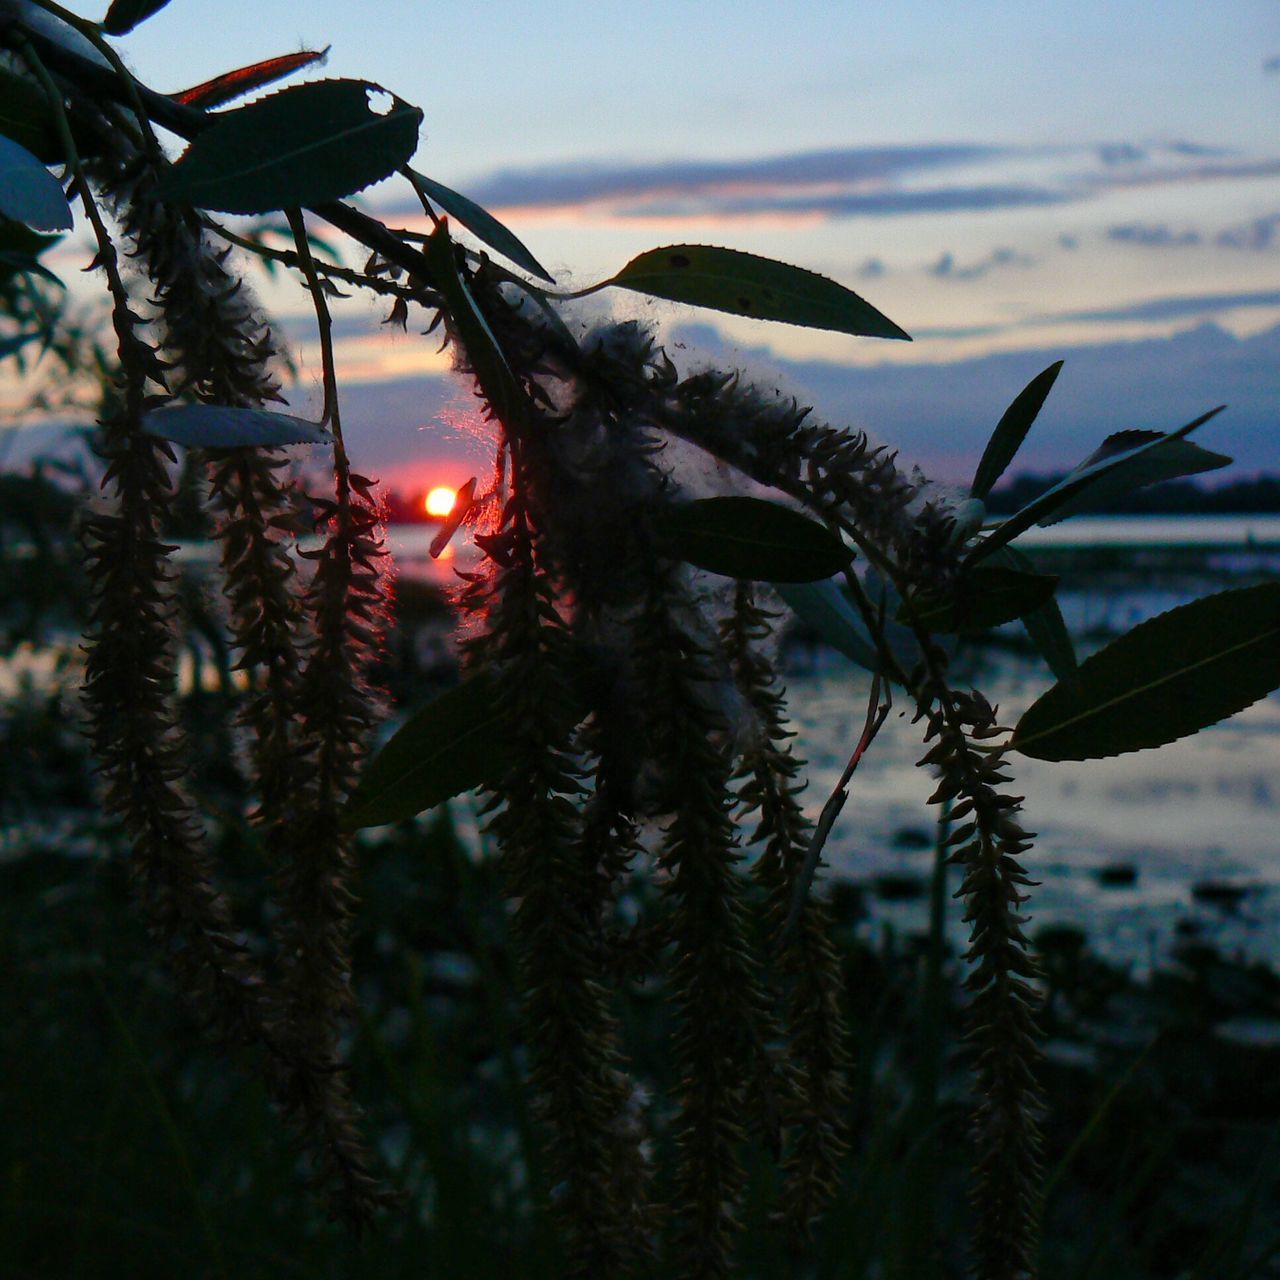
[(1203, 810), (1206, 809)]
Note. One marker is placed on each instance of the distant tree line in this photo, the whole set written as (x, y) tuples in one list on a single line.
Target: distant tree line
[(1258, 495), (399, 508)]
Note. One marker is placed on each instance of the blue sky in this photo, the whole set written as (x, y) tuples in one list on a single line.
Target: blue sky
[(1011, 182)]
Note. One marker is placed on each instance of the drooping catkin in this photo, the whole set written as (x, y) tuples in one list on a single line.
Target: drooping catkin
[(986, 844), (129, 687), (817, 1056), (582, 1095), (309, 709), (729, 1084), (312, 998)]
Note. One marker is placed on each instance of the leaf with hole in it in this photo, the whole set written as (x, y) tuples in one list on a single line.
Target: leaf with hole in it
[(746, 285), (1165, 460), (1045, 625), (1012, 429), (488, 363), (482, 224), (25, 117), (1076, 483), (29, 193), (983, 597), (124, 15), (300, 147), (453, 744), (1168, 678), (751, 539), (215, 426), (235, 84)]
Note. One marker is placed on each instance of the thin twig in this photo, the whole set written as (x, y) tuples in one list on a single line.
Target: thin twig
[(877, 714)]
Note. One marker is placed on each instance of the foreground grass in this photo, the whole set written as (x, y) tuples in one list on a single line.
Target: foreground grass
[(129, 1147)]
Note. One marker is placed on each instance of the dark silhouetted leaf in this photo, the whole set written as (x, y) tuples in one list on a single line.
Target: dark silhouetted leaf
[(746, 285), (11, 346), (26, 119), (453, 744), (752, 539), (213, 426), (235, 84), (29, 193), (500, 386), (462, 503), (1165, 460), (984, 597), (297, 148), (1045, 626), (124, 15), (1166, 679), (14, 263), (1011, 430), (19, 249), (822, 606), (482, 224), (1048, 502)]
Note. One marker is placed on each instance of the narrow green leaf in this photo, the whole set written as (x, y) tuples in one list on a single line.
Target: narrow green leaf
[(29, 193), (1049, 501), (25, 117), (20, 247), (822, 605), (124, 15), (17, 239), (11, 346), (499, 385), (235, 84), (1166, 679), (482, 224), (1012, 429), (749, 538), (1165, 460), (213, 426), (984, 597), (13, 263), (746, 285), (1045, 626), (453, 744), (297, 148)]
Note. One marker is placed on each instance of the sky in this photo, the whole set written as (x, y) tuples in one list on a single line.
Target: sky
[(1011, 183)]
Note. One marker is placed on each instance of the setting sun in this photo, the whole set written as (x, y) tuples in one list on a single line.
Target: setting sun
[(439, 502)]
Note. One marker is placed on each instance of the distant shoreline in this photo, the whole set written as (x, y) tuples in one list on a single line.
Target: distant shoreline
[(1255, 497)]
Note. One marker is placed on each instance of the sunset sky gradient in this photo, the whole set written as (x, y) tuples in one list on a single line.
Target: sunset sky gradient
[(1011, 183)]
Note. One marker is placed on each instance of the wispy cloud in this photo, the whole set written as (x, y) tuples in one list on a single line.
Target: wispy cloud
[(863, 182), (1153, 235), (866, 204), (947, 268), (1186, 307), (1258, 234), (851, 167)]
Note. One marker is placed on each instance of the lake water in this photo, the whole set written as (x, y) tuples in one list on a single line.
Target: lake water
[(1201, 811)]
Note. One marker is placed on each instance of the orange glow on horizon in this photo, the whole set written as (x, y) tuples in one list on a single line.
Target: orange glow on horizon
[(439, 501)]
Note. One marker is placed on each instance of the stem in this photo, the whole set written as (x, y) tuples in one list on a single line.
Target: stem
[(324, 326)]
